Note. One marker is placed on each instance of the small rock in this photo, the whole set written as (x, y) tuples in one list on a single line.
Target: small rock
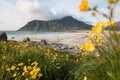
[(12, 37), (44, 42), (3, 36), (26, 40)]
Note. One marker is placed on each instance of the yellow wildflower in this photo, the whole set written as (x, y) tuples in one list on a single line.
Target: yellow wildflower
[(99, 27), (29, 67), (29, 60), (67, 57), (35, 63), (13, 67), (76, 48), (97, 54), (54, 49), (118, 48), (8, 69), (31, 72), (94, 14), (112, 1), (98, 39), (85, 78), (39, 75), (76, 60), (58, 67), (111, 23), (84, 54), (48, 50), (14, 75), (37, 69), (4, 57), (17, 68), (26, 79), (25, 69), (87, 47), (33, 76), (95, 7), (23, 73), (91, 36), (20, 64), (21, 51), (34, 72), (84, 5)]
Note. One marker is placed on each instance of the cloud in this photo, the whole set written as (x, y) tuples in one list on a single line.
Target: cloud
[(3, 1), (65, 8), (117, 13), (10, 19), (34, 10)]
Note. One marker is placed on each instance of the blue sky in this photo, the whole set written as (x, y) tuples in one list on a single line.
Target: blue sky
[(16, 13)]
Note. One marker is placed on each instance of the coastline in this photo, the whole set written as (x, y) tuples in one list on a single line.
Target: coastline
[(68, 38)]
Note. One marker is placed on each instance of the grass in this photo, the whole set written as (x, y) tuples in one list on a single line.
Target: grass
[(106, 66), (54, 65), (41, 63)]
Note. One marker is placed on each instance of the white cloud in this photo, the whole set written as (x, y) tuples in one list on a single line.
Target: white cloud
[(34, 10), (3, 1), (9, 18), (117, 13)]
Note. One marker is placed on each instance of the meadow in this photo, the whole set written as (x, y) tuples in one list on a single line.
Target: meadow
[(22, 61)]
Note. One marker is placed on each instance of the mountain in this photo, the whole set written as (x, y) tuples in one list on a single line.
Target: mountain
[(64, 24)]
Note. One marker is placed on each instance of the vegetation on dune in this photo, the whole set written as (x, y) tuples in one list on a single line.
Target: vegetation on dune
[(104, 44), (21, 61), (99, 58)]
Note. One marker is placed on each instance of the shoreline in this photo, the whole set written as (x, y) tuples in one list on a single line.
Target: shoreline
[(67, 38)]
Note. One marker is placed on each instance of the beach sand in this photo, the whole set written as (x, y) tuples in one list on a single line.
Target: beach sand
[(70, 38)]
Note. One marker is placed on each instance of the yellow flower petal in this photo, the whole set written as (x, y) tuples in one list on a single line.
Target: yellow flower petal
[(111, 23), (91, 36), (84, 6), (94, 14), (87, 47), (85, 78), (13, 67), (112, 1)]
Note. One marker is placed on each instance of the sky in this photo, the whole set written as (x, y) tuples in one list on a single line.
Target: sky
[(14, 14)]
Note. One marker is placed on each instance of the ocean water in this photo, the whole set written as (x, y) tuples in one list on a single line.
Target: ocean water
[(23, 33)]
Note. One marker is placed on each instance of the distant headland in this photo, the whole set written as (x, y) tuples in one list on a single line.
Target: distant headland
[(64, 24)]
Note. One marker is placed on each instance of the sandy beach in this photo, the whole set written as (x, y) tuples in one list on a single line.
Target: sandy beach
[(69, 38)]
